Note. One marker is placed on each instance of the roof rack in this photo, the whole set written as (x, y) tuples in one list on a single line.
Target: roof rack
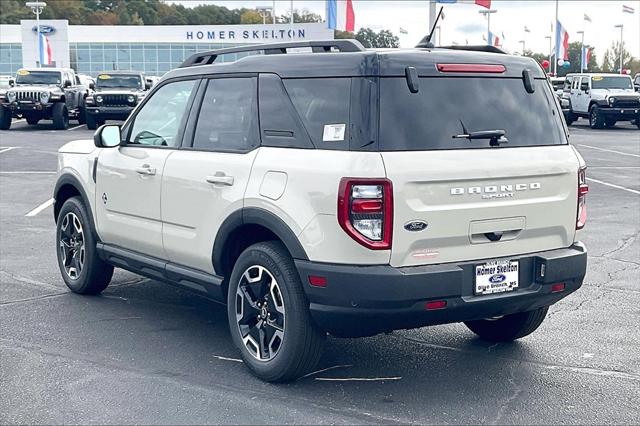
[(342, 45), (475, 48)]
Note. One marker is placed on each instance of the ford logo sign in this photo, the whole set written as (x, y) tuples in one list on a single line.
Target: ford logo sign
[(497, 278), (416, 226), (44, 29)]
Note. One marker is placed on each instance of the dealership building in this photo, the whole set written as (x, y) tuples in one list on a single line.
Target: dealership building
[(154, 50)]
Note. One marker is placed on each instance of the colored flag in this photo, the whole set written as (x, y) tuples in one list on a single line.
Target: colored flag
[(586, 18), (562, 42), (586, 55), (45, 50), (403, 31), (526, 29), (483, 3), (628, 9), (340, 15), (493, 40)]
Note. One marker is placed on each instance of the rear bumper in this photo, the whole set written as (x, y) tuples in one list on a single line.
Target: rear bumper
[(366, 300)]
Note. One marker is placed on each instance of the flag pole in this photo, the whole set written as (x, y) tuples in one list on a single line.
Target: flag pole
[(555, 32)]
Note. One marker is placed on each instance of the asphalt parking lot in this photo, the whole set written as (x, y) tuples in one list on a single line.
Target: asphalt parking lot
[(146, 352)]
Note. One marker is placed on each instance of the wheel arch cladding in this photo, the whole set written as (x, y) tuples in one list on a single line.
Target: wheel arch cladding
[(66, 187), (248, 226)]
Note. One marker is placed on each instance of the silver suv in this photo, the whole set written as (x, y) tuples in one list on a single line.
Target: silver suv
[(343, 191)]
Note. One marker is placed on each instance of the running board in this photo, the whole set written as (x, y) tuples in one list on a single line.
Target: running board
[(200, 282)]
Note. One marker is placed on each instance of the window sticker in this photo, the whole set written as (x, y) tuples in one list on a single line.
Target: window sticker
[(596, 78), (104, 76), (333, 132), (23, 72)]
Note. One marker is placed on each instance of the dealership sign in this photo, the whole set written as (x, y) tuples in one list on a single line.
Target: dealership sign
[(257, 35)]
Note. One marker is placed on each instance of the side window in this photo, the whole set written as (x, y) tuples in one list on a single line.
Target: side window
[(585, 80), (323, 104), (228, 119), (160, 118)]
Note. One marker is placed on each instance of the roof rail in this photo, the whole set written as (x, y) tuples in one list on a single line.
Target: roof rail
[(476, 48), (343, 45)]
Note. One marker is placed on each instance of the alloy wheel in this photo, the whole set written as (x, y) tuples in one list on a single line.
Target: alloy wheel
[(71, 245), (260, 313)]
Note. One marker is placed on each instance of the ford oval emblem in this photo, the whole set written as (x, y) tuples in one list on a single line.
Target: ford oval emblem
[(44, 29), (497, 278), (416, 226)]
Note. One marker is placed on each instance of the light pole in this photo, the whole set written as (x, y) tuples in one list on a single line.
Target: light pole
[(581, 50), (550, 52), (522, 42), (439, 42), (487, 14), (263, 11), (620, 26), (36, 7)]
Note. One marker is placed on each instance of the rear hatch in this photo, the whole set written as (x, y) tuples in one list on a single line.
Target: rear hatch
[(478, 200)]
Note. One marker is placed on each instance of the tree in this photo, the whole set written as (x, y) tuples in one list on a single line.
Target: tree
[(611, 59), (303, 16), (343, 34), (250, 16), (371, 39)]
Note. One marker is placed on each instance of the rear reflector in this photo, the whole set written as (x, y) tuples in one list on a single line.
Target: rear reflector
[(436, 304), (366, 206), (317, 281), (472, 68), (556, 288)]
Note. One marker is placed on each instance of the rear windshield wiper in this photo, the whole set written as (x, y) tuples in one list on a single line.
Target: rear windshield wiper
[(496, 137)]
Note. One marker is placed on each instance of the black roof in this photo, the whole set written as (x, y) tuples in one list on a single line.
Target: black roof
[(353, 61)]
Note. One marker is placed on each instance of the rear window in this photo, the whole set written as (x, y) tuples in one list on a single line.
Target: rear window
[(429, 119)]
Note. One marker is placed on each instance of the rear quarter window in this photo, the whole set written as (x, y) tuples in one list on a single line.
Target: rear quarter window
[(429, 119)]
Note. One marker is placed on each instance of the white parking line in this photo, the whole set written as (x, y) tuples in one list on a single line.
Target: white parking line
[(8, 148), (610, 150), (77, 127), (28, 172), (19, 121), (41, 207), (633, 191)]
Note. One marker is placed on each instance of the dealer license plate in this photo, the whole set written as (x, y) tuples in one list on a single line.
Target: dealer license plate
[(496, 277)]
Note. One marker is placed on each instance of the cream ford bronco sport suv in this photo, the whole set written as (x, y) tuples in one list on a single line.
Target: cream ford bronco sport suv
[(340, 190)]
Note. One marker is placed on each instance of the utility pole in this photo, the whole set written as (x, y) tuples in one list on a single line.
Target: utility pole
[(550, 52), (522, 42), (581, 50), (487, 14), (36, 7), (555, 32), (621, 26), (273, 12)]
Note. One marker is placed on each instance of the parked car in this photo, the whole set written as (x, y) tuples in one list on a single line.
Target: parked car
[(350, 193), (558, 84), (636, 82), (604, 99), (44, 94), (116, 95)]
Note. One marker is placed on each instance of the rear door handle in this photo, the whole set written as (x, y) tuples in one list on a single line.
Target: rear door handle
[(220, 178), (146, 170)]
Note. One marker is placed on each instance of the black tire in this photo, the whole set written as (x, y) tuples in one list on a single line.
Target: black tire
[(94, 274), (610, 122), (300, 346), (596, 120), (509, 327), (60, 116), (32, 120), (82, 115), (5, 119), (570, 118), (638, 122), (93, 122)]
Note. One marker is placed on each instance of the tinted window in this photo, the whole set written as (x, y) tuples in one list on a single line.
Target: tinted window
[(160, 118), (38, 77), (430, 118), (599, 82), (105, 81), (323, 105), (228, 119)]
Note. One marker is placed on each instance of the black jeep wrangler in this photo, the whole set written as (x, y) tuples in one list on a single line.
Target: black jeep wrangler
[(44, 94), (116, 94)]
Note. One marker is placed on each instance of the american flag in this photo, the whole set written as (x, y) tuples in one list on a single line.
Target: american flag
[(628, 9)]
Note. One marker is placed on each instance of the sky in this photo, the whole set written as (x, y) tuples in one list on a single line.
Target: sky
[(463, 23)]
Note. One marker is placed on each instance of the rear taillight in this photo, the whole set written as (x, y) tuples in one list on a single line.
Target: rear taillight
[(472, 68), (583, 190), (365, 211)]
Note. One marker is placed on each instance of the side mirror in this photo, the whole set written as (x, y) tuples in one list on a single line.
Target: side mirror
[(12, 82), (147, 86), (584, 87), (92, 86), (67, 83), (107, 136), (635, 86)]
